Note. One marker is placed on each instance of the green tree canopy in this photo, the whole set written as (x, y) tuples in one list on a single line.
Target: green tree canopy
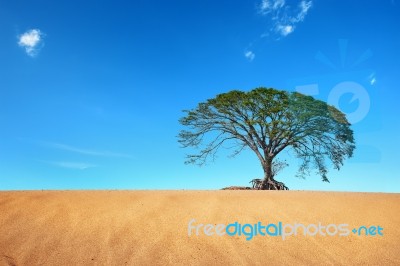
[(269, 121)]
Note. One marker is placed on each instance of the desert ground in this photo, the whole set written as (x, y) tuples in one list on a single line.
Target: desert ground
[(151, 228)]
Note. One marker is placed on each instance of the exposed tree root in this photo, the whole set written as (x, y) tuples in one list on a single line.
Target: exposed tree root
[(272, 184)]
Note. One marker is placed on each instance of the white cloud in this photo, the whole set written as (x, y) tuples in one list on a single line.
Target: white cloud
[(278, 4), (265, 7), (304, 7), (85, 151), (249, 55), (72, 165), (372, 79), (32, 40), (268, 6), (282, 17), (284, 30)]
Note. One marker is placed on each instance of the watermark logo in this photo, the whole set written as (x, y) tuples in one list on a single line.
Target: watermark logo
[(344, 79), (359, 94), (351, 87), (279, 229)]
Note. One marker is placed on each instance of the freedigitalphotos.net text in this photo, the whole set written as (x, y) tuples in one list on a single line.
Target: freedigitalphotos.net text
[(279, 229)]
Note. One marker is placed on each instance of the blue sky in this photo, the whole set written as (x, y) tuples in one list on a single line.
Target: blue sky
[(91, 91)]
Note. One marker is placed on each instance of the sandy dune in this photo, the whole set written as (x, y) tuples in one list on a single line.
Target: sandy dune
[(151, 228)]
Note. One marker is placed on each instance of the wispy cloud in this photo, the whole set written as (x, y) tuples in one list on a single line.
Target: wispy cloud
[(83, 151), (284, 30), (71, 165), (283, 18), (268, 6), (31, 41), (304, 7), (249, 55), (372, 79)]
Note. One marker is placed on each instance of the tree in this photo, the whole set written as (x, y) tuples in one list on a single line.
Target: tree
[(268, 121)]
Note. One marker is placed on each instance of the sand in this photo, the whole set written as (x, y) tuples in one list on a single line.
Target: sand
[(151, 228)]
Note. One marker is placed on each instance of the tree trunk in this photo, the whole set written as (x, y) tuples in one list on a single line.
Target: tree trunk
[(267, 167), (269, 183)]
